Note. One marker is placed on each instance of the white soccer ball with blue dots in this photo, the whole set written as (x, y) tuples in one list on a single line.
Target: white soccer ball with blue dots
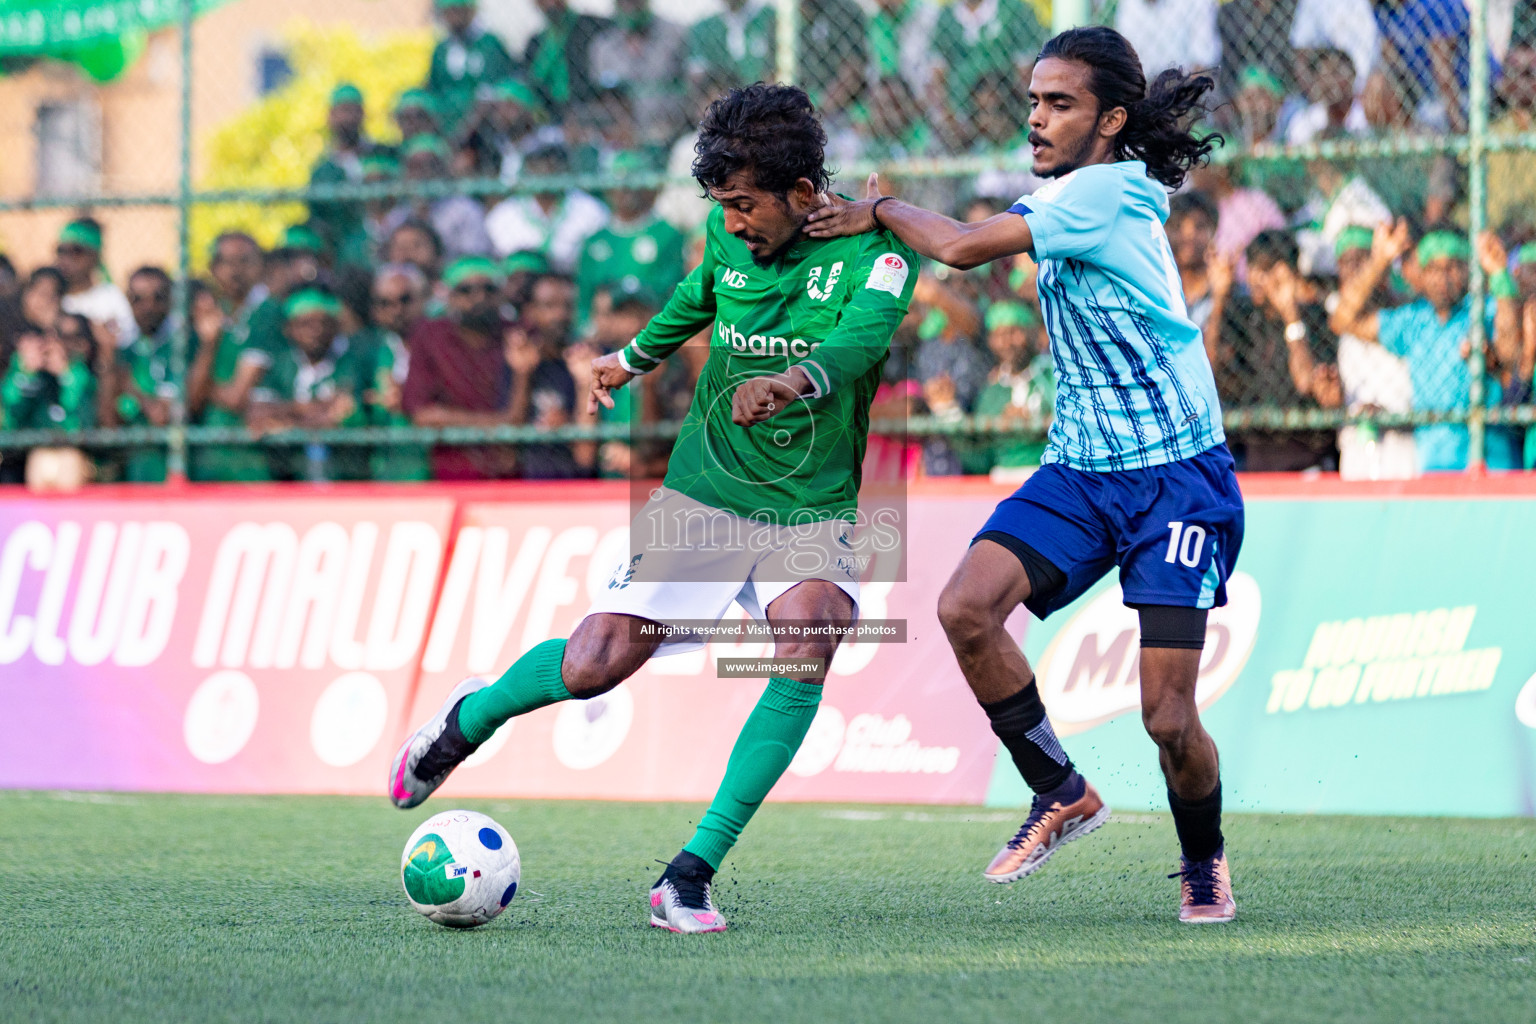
[(460, 869)]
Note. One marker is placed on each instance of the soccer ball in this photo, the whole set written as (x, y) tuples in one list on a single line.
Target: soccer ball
[(460, 869)]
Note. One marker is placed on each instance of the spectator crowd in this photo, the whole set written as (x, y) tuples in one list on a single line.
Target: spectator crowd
[(1324, 285)]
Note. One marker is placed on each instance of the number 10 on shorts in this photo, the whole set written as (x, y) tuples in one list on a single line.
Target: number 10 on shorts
[(1185, 543)]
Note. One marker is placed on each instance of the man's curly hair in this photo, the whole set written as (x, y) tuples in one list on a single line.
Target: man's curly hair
[(771, 130)]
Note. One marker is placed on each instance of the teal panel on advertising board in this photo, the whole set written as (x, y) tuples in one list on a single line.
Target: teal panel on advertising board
[(1375, 660)]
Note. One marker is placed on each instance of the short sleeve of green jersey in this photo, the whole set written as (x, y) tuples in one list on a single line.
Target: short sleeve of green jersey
[(690, 310), (881, 290)]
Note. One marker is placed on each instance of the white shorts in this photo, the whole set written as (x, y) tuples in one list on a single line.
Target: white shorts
[(688, 561)]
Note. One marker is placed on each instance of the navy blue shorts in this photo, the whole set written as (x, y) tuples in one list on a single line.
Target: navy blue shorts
[(1174, 530)]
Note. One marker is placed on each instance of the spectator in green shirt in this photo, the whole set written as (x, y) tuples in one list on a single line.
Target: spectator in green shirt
[(977, 38), (359, 249), (416, 242), (317, 381), (228, 366), (340, 164), (522, 269), (901, 34), (559, 55), (1021, 389), (50, 384), (464, 60), (507, 123), (145, 385), (636, 245), (236, 266), (417, 113), (298, 260), (833, 53), (398, 302), (732, 48), (624, 308)]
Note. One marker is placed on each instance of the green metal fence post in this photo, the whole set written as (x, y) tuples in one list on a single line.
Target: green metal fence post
[(1477, 201), (787, 42), (176, 452)]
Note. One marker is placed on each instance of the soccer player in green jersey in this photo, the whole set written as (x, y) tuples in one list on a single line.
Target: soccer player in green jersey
[(761, 493)]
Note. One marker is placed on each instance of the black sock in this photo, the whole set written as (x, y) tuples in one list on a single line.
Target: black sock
[(1198, 823), (448, 750), (1020, 722), (686, 863)]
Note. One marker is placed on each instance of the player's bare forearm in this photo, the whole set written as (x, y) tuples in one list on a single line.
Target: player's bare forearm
[(955, 243), (1349, 316), (1388, 244), (935, 236)]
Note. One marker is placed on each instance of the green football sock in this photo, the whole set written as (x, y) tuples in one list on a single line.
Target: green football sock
[(531, 683), (764, 749)]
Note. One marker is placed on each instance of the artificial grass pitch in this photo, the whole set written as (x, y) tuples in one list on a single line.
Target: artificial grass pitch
[(139, 907)]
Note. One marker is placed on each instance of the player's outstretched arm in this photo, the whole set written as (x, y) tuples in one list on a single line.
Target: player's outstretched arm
[(933, 235)]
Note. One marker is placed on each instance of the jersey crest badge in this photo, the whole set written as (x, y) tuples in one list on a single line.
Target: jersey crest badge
[(823, 294)]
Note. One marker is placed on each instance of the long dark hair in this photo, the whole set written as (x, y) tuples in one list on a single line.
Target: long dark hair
[(1159, 121)]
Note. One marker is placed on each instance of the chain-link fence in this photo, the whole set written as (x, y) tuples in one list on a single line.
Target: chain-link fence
[(1359, 256)]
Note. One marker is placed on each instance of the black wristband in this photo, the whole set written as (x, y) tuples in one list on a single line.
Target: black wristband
[(874, 211)]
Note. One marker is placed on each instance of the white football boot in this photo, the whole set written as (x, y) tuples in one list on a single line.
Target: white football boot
[(680, 900), (431, 752)]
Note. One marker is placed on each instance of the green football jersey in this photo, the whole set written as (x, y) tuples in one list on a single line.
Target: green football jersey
[(147, 362), (231, 462), (346, 369), (828, 306)]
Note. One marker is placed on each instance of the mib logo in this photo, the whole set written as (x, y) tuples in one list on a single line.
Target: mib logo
[(623, 576), (733, 278), (1091, 670), (823, 294)]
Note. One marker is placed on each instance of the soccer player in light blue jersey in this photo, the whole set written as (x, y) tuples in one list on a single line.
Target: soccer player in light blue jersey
[(1136, 472)]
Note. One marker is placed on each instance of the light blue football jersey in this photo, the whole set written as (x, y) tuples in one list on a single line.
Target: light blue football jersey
[(1134, 388)]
